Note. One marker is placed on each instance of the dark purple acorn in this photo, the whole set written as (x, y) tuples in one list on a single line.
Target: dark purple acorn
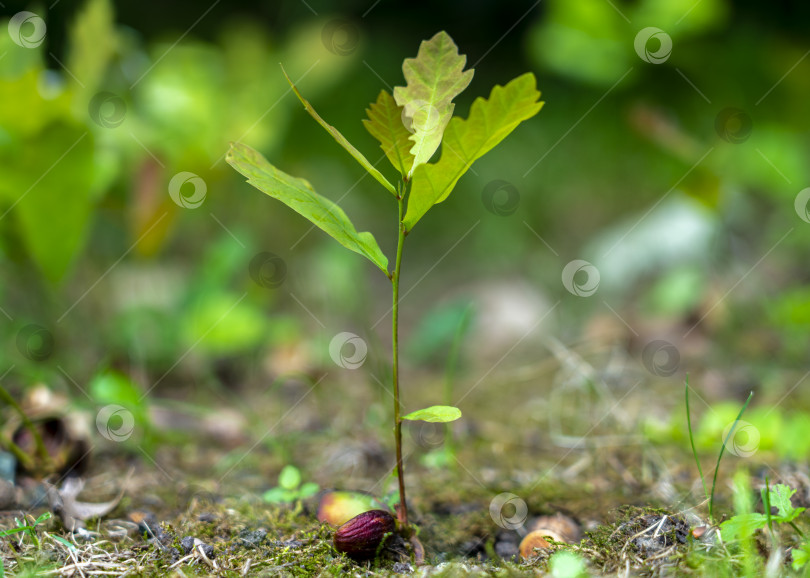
[(362, 536)]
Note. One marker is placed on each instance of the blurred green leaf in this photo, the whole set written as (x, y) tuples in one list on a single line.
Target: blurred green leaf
[(780, 496), (299, 196), (222, 323), (465, 141), (308, 490), (677, 292), (801, 556), (586, 40), (180, 110), (434, 78), (289, 478), (435, 414), (669, 14), (565, 564), (92, 44), (385, 124), (25, 111), (341, 140), (437, 329), (47, 183), (17, 60), (114, 387), (742, 526), (279, 496)]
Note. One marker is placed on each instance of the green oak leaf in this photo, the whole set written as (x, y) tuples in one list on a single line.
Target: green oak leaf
[(780, 497), (465, 141), (298, 195), (434, 78), (435, 413), (385, 124), (358, 156)]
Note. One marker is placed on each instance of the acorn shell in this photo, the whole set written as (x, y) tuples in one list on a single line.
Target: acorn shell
[(559, 527), (531, 541), (362, 536)]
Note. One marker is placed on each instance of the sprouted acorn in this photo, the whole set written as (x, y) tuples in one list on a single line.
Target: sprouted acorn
[(363, 536)]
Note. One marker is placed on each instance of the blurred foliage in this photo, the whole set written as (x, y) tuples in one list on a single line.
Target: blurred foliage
[(690, 167)]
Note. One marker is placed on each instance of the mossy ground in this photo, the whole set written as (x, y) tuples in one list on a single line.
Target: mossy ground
[(636, 501)]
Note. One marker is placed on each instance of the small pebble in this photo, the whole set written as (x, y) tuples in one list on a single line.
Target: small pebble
[(8, 495), (187, 544), (190, 542), (252, 538), (507, 550), (402, 568), (7, 466)]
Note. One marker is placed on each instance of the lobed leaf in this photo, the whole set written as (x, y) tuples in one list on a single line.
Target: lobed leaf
[(358, 156), (434, 78), (742, 526), (299, 196), (435, 413), (385, 124), (779, 496), (490, 121)]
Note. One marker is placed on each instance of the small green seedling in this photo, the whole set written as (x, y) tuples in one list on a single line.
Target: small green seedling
[(28, 529), (410, 125), (290, 488), (710, 496), (744, 525)]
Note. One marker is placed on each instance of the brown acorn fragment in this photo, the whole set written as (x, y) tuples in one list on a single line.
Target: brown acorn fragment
[(362, 536), (559, 527), (531, 541)]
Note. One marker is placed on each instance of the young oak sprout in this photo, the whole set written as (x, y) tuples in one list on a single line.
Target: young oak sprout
[(410, 125)]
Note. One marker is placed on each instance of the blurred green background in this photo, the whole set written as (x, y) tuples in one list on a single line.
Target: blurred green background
[(675, 173)]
